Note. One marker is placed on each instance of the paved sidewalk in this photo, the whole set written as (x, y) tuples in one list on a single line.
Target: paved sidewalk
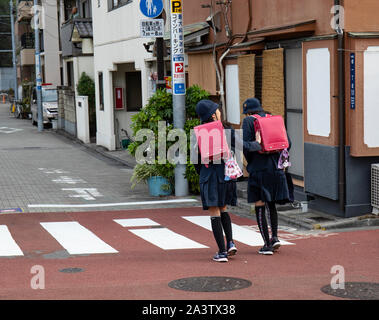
[(45, 172), (296, 215)]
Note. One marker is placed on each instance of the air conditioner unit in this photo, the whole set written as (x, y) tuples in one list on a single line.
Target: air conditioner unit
[(375, 188)]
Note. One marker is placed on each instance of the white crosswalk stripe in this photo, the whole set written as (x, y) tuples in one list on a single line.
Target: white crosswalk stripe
[(138, 222), (167, 239), (77, 239), (241, 234), (8, 247), (162, 237)]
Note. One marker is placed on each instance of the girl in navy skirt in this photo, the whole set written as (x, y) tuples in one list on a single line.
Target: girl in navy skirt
[(216, 193), (267, 184)]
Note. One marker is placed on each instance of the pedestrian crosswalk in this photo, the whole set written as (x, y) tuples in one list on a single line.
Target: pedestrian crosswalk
[(8, 247), (77, 239), (240, 234)]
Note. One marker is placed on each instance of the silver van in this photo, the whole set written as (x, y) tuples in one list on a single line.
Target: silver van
[(49, 105)]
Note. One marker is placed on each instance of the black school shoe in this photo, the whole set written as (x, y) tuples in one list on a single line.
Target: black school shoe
[(275, 243), (266, 250), (232, 250), (221, 257)]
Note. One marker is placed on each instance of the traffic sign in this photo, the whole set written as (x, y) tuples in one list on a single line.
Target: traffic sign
[(152, 28), (179, 67), (151, 8), (180, 88)]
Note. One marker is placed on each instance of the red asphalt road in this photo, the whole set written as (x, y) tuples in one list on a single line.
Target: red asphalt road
[(142, 270)]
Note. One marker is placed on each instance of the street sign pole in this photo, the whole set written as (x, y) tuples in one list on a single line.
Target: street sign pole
[(161, 84), (13, 52), (153, 9), (38, 66), (178, 89)]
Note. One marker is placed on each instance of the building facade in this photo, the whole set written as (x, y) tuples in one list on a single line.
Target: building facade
[(125, 68), (49, 42), (317, 64)]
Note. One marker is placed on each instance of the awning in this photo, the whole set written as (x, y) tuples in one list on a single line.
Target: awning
[(82, 29), (299, 28)]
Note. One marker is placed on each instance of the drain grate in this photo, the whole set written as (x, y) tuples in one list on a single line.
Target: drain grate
[(355, 290), (71, 270), (209, 284)]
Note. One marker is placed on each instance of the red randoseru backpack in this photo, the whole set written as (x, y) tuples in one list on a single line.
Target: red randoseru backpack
[(273, 133), (212, 142)]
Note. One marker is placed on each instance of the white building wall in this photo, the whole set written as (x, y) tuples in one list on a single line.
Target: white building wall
[(51, 43), (116, 41)]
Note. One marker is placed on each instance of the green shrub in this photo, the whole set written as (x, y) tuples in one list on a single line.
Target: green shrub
[(159, 108)]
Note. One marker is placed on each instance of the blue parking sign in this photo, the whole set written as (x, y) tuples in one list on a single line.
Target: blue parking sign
[(179, 88), (151, 8)]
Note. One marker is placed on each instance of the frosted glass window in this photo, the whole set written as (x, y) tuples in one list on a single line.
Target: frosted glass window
[(232, 94), (371, 97), (318, 92)]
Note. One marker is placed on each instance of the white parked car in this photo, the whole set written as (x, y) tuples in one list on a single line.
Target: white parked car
[(49, 105)]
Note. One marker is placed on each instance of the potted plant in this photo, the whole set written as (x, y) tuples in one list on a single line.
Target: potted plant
[(152, 175), (159, 108)]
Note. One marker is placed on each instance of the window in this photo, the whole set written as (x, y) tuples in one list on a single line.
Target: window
[(70, 74), (101, 91), (133, 91), (114, 4), (86, 9)]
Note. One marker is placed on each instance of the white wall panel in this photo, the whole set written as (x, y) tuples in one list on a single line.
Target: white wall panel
[(232, 94), (318, 92), (371, 97)]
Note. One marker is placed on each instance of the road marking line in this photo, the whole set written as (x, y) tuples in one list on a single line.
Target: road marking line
[(241, 234), (8, 247), (167, 239), (95, 205), (138, 222), (68, 180), (9, 130), (76, 239), (85, 193)]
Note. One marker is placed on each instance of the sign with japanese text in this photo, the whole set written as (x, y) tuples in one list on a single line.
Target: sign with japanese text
[(352, 81), (153, 28), (177, 49)]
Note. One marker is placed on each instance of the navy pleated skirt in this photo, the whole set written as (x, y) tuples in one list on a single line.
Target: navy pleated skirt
[(218, 193), (268, 186)]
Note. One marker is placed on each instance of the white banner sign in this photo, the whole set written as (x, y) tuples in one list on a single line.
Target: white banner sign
[(177, 49), (152, 28)]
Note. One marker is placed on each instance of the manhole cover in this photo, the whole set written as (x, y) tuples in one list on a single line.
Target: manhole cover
[(71, 270), (209, 284), (355, 290)]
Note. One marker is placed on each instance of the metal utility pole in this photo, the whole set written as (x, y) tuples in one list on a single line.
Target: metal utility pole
[(161, 83), (13, 52), (178, 89), (38, 66)]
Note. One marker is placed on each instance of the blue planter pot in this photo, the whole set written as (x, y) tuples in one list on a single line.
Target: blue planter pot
[(155, 186)]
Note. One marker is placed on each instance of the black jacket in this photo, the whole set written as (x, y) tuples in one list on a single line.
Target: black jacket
[(257, 161)]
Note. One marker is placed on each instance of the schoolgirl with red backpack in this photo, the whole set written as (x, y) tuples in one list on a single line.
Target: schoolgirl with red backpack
[(215, 191), (267, 182)]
